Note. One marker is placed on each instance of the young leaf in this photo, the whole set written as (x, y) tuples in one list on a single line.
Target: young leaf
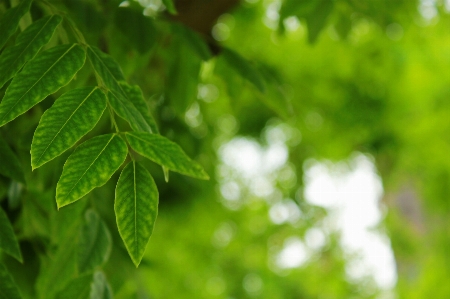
[(10, 20), (78, 288), (166, 153), (136, 208), (72, 116), (8, 288), (100, 288), (28, 44), (8, 241), (125, 109), (10, 164), (90, 166), (94, 243), (44, 75), (244, 68)]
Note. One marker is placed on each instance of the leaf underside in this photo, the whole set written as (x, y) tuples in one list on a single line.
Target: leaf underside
[(136, 208)]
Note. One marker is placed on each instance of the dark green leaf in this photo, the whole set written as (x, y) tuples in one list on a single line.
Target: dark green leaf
[(10, 165), (317, 20), (90, 166), (72, 116), (136, 208), (166, 153), (28, 44), (244, 68), (10, 20), (100, 288), (193, 40), (8, 288), (44, 75), (94, 243), (8, 241)]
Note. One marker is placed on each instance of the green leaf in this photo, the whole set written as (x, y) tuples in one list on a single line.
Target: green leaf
[(107, 68), (125, 108), (78, 288), (170, 6), (10, 165), (8, 288), (193, 40), (100, 288), (94, 243), (28, 44), (10, 20), (166, 153), (90, 166), (317, 20), (72, 116), (8, 241), (244, 68), (42, 76), (136, 208)]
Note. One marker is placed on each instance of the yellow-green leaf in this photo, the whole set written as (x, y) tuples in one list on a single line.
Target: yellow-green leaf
[(94, 243), (28, 44), (166, 153), (42, 76), (10, 20), (72, 116), (90, 166), (136, 208), (8, 241)]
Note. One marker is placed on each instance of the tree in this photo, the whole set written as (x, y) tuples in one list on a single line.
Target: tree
[(112, 110)]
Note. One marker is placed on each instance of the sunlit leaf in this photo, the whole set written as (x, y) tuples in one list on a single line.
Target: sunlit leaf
[(10, 20), (10, 165), (72, 116), (244, 68), (44, 75), (94, 243), (8, 288), (8, 240), (28, 44), (100, 288), (90, 166), (166, 153), (78, 288), (136, 208)]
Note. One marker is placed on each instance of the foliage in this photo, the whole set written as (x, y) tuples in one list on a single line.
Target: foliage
[(100, 102)]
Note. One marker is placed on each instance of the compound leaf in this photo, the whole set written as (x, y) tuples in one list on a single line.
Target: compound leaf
[(107, 68), (10, 164), (136, 208), (44, 75), (28, 44), (72, 116), (8, 288), (8, 241), (94, 243), (10, 20), (90, 166), (166, 153)]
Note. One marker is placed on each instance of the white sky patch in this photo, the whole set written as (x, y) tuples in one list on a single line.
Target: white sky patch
[(294, 254), (352, 198)]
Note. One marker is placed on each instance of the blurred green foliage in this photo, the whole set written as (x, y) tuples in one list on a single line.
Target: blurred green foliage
[(334, 76)]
